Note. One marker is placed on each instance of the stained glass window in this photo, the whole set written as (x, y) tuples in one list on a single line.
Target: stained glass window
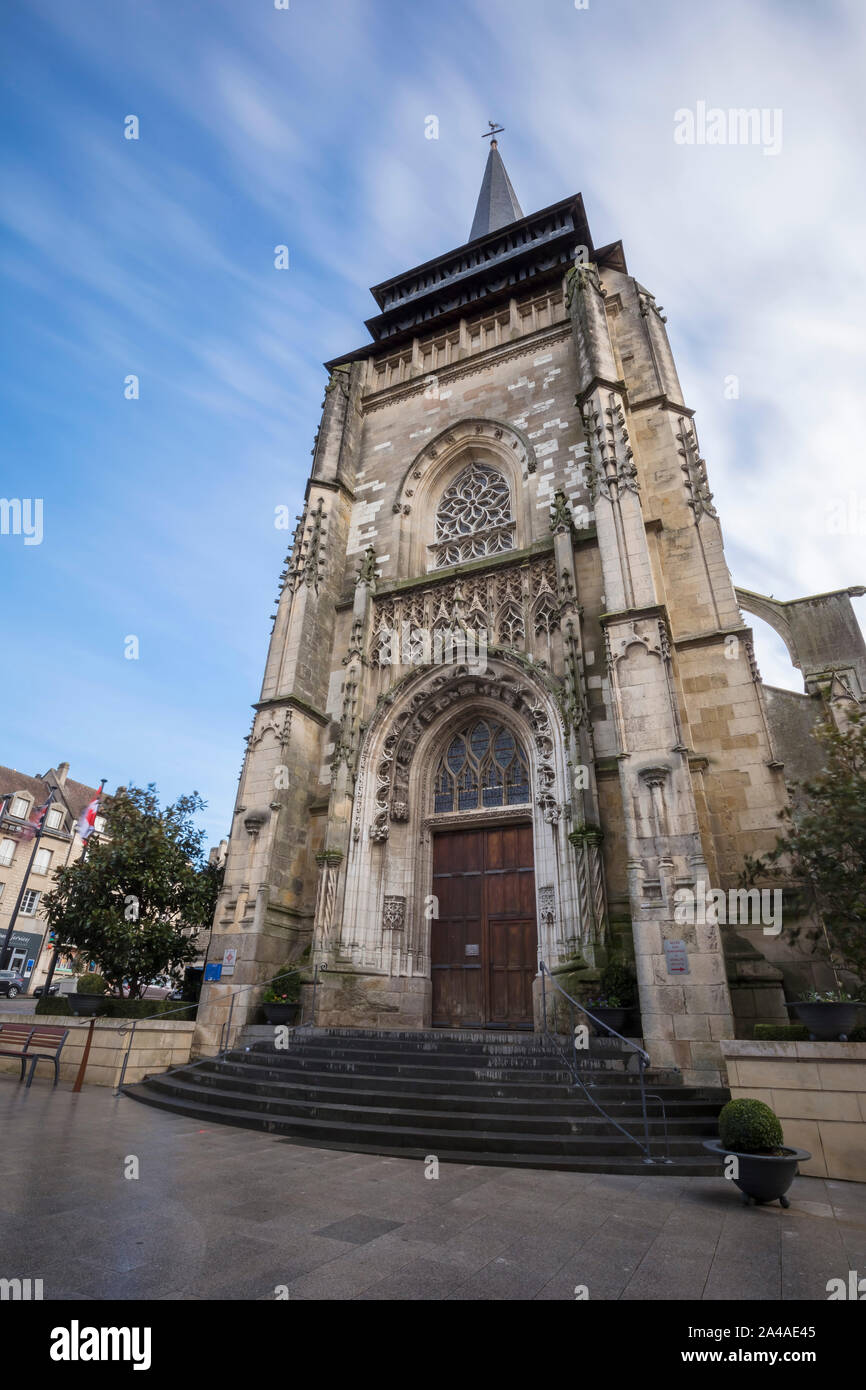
[(474, 516), (484, 766)]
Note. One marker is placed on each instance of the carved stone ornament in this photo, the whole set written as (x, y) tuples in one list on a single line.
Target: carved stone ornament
[(394, 913)]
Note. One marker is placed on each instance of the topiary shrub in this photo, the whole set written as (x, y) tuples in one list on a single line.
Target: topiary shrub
[(750, 1127), (91, 984)]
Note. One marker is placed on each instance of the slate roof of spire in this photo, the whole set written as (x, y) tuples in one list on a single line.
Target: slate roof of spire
[(497, 202)]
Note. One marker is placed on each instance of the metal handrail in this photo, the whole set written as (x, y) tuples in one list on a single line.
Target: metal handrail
[(241, 989), (587, 1087)]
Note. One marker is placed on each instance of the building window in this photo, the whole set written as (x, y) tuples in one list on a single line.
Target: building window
[(7, 852), (474, 517), (99, 824), (30, 903), (54, 819), (2, 886), (20, 806), (484, 766), (42, 862)]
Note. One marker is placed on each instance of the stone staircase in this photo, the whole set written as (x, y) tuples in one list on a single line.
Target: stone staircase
[(466, 1097)]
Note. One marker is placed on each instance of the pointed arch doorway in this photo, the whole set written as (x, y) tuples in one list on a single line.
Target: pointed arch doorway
[(483, 946)]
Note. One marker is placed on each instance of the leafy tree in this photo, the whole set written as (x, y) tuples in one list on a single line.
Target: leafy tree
[(136, 901), (823, 849)]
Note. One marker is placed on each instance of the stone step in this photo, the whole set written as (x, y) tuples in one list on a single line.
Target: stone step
[(408, 1076), (469, 1097), (591, 1060), (443, 1043), (368, 1108), (462, 1096), (429, 1068), (694, 1165), (601, 1141)]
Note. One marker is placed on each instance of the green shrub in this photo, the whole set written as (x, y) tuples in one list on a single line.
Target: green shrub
[(795, 1032), (749, 1127), (52, 1004), (286, 990), (121, 1008), (91, 984), (618, 981), (781, 1032)]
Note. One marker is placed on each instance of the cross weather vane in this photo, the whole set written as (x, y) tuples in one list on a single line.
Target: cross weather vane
[(494, 130)]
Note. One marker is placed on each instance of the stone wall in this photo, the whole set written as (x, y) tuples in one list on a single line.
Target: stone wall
[(818, 1091), (157, 1046)]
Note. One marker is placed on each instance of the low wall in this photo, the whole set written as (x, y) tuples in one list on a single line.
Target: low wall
[(158, 1045), (818, 1091)]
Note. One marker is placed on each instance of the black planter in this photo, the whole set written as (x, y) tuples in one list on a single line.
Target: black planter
[(85, 1005), (763, 1177), (827, 1021), (614, 1018), (282, 1013)]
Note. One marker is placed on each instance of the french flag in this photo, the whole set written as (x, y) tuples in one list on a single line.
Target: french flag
[(87, 822)]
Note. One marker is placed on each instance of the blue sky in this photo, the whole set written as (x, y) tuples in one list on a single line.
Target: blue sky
[(306, 127)]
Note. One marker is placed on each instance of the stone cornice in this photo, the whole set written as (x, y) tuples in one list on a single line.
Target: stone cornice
[(599, 383), (294, 702), (627, 615), (330, 486), (664, 403), (467, 366), (710, 639)]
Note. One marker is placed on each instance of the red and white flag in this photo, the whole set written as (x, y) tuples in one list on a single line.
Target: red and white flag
[(34, 824), (87, 823)]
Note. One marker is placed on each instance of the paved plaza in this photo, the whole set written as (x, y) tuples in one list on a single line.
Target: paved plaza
[(221, 1213)]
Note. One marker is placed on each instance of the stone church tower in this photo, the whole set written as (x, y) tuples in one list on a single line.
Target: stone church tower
[(510, 706)]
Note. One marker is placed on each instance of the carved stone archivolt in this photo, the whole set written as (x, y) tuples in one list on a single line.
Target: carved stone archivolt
[(436, 694), (502, 437)]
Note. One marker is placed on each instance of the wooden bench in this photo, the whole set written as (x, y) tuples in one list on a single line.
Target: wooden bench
[(41, 1042)]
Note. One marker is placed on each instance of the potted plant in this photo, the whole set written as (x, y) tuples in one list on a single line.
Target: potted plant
[(609, 1009), (281, 999), (750, 1132), (828, 1014), (89, 997)]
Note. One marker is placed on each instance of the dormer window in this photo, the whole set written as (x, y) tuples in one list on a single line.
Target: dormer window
[(474, 517), (19, 807)]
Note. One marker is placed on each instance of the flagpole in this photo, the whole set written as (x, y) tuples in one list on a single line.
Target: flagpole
[(7, 940), (55, 954)]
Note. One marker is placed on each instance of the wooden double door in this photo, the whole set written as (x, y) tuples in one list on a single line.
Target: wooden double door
[(483, 942)]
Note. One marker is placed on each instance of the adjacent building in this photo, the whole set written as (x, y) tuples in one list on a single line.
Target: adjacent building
[(60, 844)]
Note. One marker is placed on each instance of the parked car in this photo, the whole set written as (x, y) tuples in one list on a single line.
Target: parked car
[(52, 989), (11, 983), (159, 988)]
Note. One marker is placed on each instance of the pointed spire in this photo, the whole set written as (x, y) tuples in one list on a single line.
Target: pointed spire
[(497, 201)]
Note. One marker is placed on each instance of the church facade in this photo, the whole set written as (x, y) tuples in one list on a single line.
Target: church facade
[(511, 712)]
